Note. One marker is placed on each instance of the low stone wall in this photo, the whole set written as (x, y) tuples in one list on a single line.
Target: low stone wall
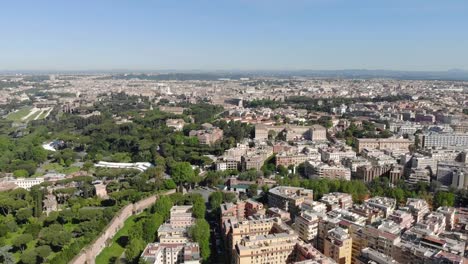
[(88, 254)]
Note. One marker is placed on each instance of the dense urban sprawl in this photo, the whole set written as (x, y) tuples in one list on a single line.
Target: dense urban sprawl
[(264, 169)]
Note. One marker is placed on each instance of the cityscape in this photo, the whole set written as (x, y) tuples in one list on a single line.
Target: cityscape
[(239, 132)]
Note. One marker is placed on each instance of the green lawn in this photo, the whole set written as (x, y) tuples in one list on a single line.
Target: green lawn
[(115, 250), (44, 113), (33, 116), (16, 116), (59, 168)]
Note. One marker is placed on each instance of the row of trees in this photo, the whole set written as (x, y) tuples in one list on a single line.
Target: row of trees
[(379, 187), (144, 230), (326, 105)]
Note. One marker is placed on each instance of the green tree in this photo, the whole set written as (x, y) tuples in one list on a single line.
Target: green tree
[(252, 190), (37, 195), (444, 199), (43, 252), (88, 165), (55, 236), (134, 249), (229, 197), (23, 214), (21, 173), (169, 184), (136, 232), (21, 241), (29, 257), (216, 199), (399, 195), (199, 207), (6, 256), (151, 227), (182, 173), (200, 232), (163, 206), (283, 171)]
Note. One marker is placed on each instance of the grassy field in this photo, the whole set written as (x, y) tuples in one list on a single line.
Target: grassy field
[(59, 168), (19, 116), (33, 116), (115, 250), (43, 115), (16, 116)]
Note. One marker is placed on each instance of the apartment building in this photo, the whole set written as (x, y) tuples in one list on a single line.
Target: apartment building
[(370, 172), (371, 214), (338, 245), (306, 225), (181, 216), (354, 163), (368, 255), (307, 254), (396, 173), (315, 206), (379, 240), (248, 237), (254, 159), (432, 139), (449, 213), (287, 159), (270, 248), (337, 200), (403, 218), (253, 162), (348, 216), (236, 152), (435, 222), (318, 133), (453, 174), (423, 162), (164, 253), (288, 198), (419, 175), (418, 208), (227, 164), (325, 171), (413, 253), (240, 210), (383, 143), (291, 132), (236, 230), (168, 234), (385, 204), (337, 154), (281, 214)]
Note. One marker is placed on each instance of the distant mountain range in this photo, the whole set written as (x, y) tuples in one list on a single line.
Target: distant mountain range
[(453, 74)]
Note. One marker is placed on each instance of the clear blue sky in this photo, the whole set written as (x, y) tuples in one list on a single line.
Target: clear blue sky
[(236, 34)]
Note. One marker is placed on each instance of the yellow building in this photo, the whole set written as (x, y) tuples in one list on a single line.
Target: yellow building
[(272, 249), (338, 245)]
